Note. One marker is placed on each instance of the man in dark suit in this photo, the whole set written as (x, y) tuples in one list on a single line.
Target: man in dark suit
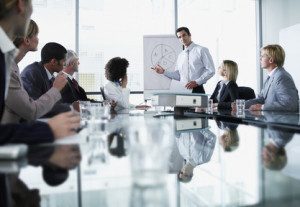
[(14, 18), (73, 91), (38, 77)]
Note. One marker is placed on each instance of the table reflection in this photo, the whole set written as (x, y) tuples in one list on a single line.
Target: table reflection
[(196, 148), (274, 153), (230, 137)]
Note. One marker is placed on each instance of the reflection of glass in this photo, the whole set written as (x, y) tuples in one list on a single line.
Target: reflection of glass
[(149, 147), (153, 196), (98, 152)]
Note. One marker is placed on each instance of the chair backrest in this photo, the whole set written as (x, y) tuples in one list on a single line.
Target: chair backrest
[(102, 93), (246, 93)]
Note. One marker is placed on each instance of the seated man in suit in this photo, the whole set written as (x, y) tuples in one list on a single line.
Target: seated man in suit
[(38, 77), (279, 92), (19, 106), (73, 92), (14, 18)]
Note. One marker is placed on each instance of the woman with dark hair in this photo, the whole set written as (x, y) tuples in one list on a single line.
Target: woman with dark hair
[(116, 89)]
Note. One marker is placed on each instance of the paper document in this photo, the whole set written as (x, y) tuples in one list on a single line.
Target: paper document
[(179, 87)]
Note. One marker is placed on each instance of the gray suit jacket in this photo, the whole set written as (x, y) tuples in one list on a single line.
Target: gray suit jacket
[(279, 94), (36, 83), (18, 104)]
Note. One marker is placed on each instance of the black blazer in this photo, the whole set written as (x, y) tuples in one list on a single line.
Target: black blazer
[(71, 94), (229, 93), (36, 83), (29, 133)]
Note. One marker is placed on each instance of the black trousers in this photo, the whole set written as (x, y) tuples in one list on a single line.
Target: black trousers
[(198, 89)]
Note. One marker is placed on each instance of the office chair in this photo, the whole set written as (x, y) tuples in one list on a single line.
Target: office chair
[(246, 93), (102, 93)]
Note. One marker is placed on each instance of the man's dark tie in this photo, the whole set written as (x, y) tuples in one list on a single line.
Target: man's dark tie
[(75, 84), (51, 81)]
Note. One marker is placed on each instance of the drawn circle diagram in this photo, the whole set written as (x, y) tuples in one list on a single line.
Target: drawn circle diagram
[(164, 55)]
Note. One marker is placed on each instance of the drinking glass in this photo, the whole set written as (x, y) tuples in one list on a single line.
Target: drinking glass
[(149, 148), (240, 104)]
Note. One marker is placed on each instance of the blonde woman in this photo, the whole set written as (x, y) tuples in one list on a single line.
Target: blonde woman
[(18, 104), (226, 90)]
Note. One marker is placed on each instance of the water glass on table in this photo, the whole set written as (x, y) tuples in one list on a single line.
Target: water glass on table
[(84, 112), (210, 105), (240, 104)]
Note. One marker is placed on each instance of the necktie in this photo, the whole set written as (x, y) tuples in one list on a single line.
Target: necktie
[(266, 85), (75, 84), (51, 81), (185, 72)]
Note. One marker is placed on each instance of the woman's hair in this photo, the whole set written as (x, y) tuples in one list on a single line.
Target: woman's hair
[(233, 141), (231, 68), (116, 69), (32, 30), (6, 6)]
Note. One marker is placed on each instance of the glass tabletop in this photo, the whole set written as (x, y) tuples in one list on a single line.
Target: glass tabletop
[(212, 163)]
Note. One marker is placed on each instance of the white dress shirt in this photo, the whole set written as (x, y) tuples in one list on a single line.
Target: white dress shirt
[(118, 94), (10, 52), (201, 66), (196, 147)]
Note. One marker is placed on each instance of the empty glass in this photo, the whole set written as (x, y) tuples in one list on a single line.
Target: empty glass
[(84, 113), (149, 148)]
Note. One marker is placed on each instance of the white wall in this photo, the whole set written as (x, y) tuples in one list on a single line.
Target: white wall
[(276, 16)]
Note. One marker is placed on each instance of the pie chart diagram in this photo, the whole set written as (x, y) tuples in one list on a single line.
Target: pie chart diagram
[(164, 55)]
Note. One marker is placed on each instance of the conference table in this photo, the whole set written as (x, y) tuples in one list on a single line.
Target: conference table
[(239, 158)]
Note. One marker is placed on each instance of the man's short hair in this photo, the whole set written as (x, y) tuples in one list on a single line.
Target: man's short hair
[(52, 50), (181, 29), (71, 56), (275, 52)]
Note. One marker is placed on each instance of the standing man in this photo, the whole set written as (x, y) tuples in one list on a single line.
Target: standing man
[(194, 65), (279, 92), (38, 77), (73, 91)]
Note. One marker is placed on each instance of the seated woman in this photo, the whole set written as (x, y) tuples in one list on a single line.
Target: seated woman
[(116, 89), (226, 90), (18, 104)]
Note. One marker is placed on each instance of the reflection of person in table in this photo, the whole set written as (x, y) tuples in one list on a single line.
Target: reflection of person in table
[(194, 65), (196, 148), (230, 138), (273, 153)]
